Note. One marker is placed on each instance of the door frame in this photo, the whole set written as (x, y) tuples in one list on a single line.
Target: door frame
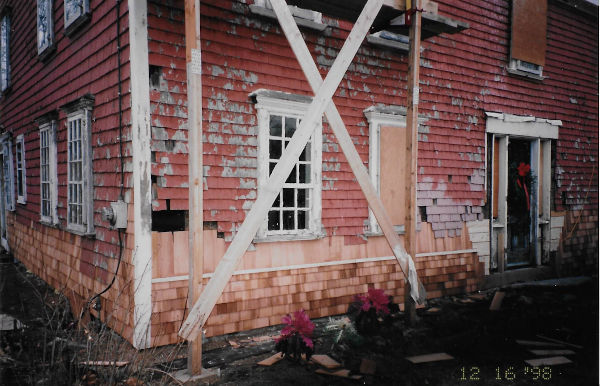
[(540, 133)]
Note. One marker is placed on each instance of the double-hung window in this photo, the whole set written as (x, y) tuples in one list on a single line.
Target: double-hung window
[(80, 208), (5, 53), (21, 170), (7, 172), (48, 177), (45, 27), (296, 211), (77, 12)]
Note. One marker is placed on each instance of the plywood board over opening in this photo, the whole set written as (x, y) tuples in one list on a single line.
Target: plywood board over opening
[(392, 184)]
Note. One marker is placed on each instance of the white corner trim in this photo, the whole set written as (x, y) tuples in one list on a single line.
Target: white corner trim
[(142, 198), (522, 126)]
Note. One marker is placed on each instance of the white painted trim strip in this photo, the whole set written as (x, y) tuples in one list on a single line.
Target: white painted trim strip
[(142, 198), (313, 265)]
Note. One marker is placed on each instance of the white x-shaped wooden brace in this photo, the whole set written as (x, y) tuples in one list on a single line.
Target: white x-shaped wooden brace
[(321, 103)]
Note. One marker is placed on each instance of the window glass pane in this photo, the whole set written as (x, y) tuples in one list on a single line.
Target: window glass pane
[(290, 126), (305, 155), (277, 202), (275, 125), (302, 198), (288, 198), (271, 167), (302, 219), (304, 173), (274, 149), (273, 224), (292, 177), (288, 220)]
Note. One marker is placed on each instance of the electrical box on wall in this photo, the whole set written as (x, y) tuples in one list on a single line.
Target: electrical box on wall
[(116, 214)]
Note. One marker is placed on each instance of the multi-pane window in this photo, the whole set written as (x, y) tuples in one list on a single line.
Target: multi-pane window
[(48, 180), (4, 53), (21, 174), (7, 173), (77, 12), (296, 209), (79, 189), (45, 26)]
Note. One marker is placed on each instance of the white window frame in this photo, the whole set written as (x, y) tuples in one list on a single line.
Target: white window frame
[(45, 32), (5, 53), (74, 20), (9, 185), (48, 129), (303, 17), (84, 223), (378, 116), (293, 106), (21, 172)]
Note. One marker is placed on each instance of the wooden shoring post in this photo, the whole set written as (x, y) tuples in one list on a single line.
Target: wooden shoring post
[(194, 93), (336, 123), (412, 114), (257, 214)]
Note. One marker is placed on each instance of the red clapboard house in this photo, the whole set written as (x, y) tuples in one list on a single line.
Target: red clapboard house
[(94, 107)]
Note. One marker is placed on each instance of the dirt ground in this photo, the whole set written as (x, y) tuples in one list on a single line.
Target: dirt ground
[(47, 347)]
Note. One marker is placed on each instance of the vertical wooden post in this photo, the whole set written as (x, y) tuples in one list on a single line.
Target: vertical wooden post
[(412, 114), (194, 93)]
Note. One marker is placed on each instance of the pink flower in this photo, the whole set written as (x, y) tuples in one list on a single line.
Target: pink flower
[(298, 323), (523, 169), (376, 299)]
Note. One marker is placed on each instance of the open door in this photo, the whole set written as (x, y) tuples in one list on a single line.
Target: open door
[(520, 194)]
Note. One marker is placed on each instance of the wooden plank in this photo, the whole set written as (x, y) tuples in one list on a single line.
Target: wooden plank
[(343, 373), (196, 246), (411, 143), (358, 168), (201, 310), (392, 179), (440, 356), (528, 34), (560, 342), (325, 361), (550, 361), (537, 343), (552, 352), (271, 360)]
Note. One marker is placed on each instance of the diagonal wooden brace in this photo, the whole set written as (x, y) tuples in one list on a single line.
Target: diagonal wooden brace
[(213, 290), (290, 29)]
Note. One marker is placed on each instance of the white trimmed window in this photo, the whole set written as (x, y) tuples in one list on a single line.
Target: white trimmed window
[(387, 136), (77, 12), (21, 170), (7, 173), (45, 26), (48, 177), (80, 204), (296, 212), (5, 53)]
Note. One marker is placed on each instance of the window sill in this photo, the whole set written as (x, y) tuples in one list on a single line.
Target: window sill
[(376, 40), (21, 201), (49, 223), (81, 233), (524, 74), (290, 237), (262, 11)]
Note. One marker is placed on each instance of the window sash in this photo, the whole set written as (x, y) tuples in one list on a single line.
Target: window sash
[(4, 53), (21, 170), (48, 180)]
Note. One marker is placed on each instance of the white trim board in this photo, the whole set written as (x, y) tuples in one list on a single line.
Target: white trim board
[(313, 265), (142, 198), (522, 126)]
